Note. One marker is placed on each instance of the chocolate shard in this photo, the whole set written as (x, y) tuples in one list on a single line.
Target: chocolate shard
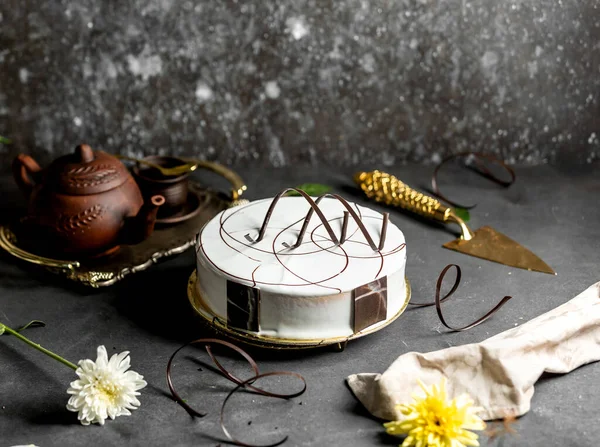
[(243, 304), (370, 304)]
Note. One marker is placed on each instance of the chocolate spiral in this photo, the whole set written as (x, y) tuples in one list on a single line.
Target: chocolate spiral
[(438, 301), (246, 384), (481, 169)]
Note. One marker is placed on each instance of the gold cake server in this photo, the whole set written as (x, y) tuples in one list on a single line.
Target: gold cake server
[(485, 243)]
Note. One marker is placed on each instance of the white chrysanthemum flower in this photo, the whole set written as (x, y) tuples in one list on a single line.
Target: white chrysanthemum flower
[(105, 388)]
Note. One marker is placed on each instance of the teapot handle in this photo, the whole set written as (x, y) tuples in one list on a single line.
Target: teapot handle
[(24, 167)]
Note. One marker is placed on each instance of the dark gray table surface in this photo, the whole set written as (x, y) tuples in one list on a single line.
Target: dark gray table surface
[(552, 210)]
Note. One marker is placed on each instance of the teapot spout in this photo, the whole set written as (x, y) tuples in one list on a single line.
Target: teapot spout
[(142, 225)]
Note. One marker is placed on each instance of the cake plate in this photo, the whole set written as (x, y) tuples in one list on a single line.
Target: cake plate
[(269, 342)]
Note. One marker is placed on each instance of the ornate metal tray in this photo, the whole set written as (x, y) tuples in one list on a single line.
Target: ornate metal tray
[(262, 341), (165, 241)]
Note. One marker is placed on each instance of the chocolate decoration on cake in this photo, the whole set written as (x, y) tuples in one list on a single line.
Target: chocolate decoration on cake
[(349, 209), (243, 305), (384, 225), (344, 227), (314, 207), (370, 304)]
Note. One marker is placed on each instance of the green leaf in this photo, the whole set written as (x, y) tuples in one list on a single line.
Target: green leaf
[(462, 213), (32, 323), (5, 140), (312, 189)]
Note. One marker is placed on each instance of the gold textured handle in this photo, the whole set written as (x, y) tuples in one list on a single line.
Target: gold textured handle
[(237, 184), (390, 190)]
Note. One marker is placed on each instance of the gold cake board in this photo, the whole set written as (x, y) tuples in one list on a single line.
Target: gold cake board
[(269, 342)]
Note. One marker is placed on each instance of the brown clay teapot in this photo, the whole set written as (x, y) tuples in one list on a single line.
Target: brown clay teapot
[(85, 203)]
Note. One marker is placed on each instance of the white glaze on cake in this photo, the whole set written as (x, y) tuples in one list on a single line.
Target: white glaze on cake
[(305, 292)]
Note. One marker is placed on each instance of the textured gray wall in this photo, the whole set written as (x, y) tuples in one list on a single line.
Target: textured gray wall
[(275, 82)]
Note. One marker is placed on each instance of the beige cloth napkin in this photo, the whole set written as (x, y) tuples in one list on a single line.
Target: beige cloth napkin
[(498, 373)]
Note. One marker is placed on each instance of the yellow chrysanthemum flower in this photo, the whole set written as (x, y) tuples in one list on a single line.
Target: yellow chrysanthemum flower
[(433, 421)]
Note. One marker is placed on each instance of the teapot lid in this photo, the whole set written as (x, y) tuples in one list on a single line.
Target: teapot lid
[(86, 172)]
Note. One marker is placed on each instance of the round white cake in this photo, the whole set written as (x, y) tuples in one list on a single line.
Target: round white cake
[(335, 282)]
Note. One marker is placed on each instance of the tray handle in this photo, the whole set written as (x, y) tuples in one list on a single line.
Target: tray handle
[(237, 184), (68, 268)]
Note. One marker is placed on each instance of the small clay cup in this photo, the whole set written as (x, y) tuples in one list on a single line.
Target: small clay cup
[(152, 182)]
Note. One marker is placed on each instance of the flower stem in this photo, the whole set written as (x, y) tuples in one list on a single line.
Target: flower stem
[(38, 347)]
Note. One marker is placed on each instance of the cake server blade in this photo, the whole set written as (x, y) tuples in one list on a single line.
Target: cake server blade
[(492, 245), (485, 243)]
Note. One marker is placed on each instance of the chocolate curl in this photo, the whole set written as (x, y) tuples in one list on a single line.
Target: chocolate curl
[(344, 227), (438, 301), (313, 206), (246, 384), (359, 223), (383, 234), (481, 169), (207, 342)]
